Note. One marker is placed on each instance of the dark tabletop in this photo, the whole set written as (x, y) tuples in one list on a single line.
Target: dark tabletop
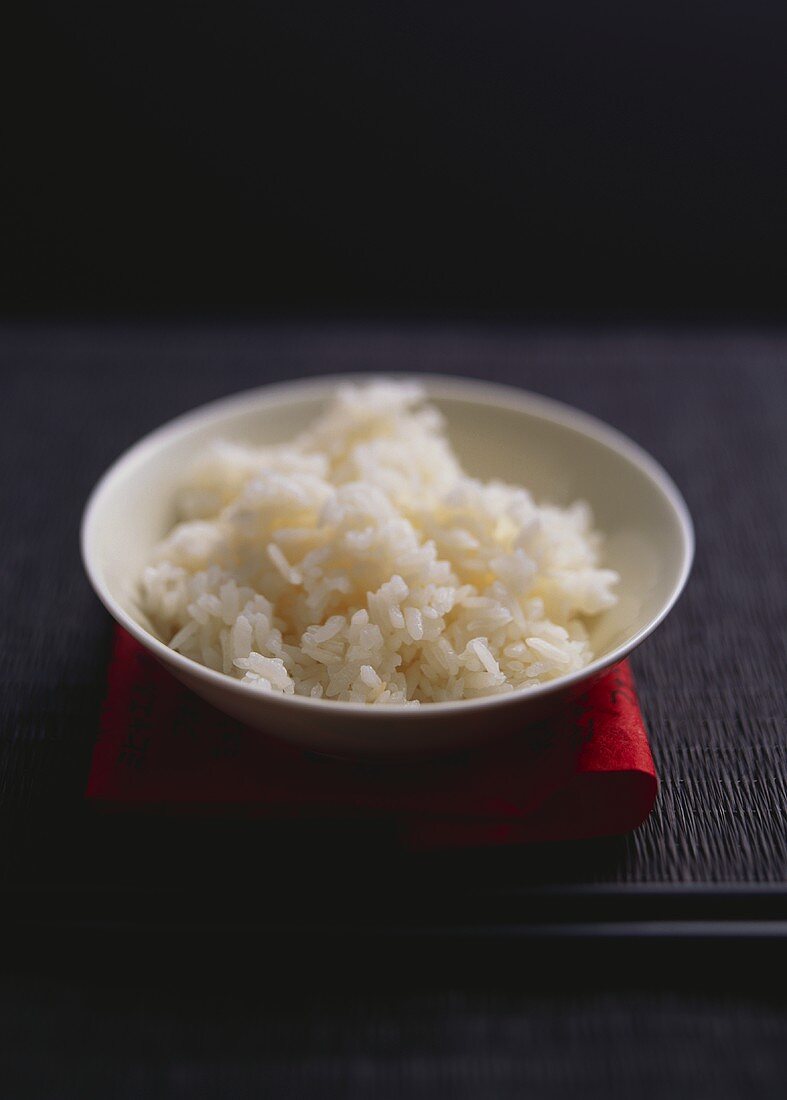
[(91, 908)]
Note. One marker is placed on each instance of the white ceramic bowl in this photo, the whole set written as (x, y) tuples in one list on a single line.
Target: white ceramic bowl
[(558, 453)]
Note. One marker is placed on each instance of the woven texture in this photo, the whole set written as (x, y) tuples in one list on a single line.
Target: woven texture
[(710, 407)]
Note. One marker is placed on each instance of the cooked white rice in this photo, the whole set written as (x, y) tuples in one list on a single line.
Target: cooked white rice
[(359, 562)]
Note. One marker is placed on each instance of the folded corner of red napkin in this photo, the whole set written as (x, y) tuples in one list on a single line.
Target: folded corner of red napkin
[(587, 773)]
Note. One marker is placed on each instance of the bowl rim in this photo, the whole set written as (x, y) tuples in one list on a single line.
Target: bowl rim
[(436, 386)]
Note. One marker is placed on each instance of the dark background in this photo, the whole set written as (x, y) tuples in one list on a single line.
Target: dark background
[(567, 160)]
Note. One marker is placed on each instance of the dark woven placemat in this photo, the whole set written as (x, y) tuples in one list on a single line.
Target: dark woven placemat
[(710, 406)]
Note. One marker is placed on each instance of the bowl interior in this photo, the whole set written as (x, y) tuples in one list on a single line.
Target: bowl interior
[(524, 441)]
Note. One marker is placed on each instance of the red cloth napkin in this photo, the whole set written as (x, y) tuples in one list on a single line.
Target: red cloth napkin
[(588, 772)]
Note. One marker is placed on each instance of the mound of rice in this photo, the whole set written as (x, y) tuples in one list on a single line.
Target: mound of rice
[(359, 562)]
